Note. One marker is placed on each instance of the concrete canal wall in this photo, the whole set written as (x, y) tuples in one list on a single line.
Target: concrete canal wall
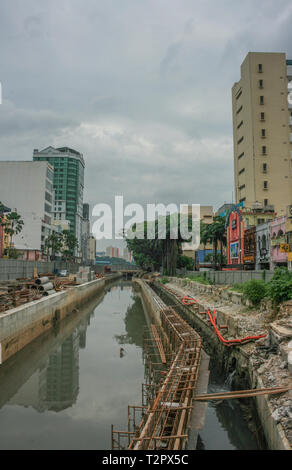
[(21, 325)]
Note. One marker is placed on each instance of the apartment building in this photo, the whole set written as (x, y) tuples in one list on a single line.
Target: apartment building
[(68, 185), (261, 132), (27, 187)]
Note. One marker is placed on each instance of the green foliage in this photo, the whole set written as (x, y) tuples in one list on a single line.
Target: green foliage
[(164, 280), (185, 262), (12, 253), (254, 291), (12, 225), (280, 287), (54, 242), (237, 287), (200, 279), (214, 233), (150, 254)]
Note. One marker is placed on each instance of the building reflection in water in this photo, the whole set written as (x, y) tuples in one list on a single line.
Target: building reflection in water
[(55, 385), (59, 379)]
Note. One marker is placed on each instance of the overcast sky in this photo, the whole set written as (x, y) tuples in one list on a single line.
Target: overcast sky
[(141, 87)]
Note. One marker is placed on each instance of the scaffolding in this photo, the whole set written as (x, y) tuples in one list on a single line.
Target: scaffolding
[(171, 352)]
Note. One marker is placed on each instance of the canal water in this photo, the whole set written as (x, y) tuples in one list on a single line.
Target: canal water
[(65, 389)]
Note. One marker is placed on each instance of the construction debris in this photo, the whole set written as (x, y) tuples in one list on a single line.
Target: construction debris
[(18, 292)]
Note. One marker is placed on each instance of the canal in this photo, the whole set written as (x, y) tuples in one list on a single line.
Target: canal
[(65, 389)]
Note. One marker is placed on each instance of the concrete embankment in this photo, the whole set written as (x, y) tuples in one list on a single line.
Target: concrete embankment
[(21, 325), (242, 361)]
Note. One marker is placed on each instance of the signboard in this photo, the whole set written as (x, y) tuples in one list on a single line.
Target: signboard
[(234, 250), (290, 256), (248, 259), (284, 248), (277, 241)]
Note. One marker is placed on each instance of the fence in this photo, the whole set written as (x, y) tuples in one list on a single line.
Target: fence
[(229, 277), (15, 269)]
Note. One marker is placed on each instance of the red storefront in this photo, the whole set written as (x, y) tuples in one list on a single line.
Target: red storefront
[(235, 239)]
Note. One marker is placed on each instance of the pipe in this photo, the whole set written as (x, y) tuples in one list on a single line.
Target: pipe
[(49, 292), (47, 286), (42, 280)]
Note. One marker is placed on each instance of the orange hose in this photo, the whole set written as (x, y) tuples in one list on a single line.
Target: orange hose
[(188, 300), (230, 342)]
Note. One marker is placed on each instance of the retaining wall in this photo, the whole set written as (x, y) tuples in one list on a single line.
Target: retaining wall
[(229, 277), (21, 325), (14, 269), (217, 293)]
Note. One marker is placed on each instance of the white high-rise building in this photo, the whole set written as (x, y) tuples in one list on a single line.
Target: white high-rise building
[(27, 187)]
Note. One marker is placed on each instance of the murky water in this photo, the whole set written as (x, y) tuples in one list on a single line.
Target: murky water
[(69, 397), (65, 389), (225, 428)]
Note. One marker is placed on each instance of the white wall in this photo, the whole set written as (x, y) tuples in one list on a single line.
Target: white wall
[(23, 187)]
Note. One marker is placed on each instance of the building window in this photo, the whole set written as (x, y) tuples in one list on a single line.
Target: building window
[(240, 124), (241, 155), (239, 141), (239, 95), (48, 208), (264, 150), (261, 100), (262, 116), (261, 83), (263, 131), (241, 171), (266, 202), (238, 111), (242, 199), (265, 185), (264, 168), (260, 68), (241, 187)]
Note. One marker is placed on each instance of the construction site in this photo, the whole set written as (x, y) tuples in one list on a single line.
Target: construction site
[(182, 335), (174, 395)]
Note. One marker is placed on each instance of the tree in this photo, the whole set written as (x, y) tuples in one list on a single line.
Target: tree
[(54, 242), (150, 254), (70, 243), (12, 224), (215, 233)]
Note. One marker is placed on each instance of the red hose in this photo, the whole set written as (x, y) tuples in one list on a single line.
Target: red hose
[(230, 342), (227, 342), (188, 300)]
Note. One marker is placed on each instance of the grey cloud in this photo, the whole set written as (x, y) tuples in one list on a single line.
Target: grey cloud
[(141, 89)]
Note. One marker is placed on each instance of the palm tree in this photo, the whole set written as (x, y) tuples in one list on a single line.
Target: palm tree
[(55, 243), (12, 224), (217, 234)]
